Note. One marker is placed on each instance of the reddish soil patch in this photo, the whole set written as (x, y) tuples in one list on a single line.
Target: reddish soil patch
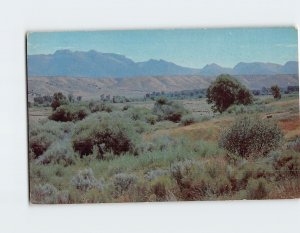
[(290, 126)]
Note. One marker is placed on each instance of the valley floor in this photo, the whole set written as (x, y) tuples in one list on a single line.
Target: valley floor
[(173, 162)]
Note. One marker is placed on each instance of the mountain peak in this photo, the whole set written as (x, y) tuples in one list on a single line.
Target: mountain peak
[(214, 69), (62, 51), (212, 65)]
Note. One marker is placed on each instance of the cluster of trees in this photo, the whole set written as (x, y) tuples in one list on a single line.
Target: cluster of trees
[(226, 91), (42, 100), (268, 91), (48, 101), (184, 94), (115, 98)]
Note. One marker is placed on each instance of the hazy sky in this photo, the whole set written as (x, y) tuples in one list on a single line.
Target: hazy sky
[(189, 47)]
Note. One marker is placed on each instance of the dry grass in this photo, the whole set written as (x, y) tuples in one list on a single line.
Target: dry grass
[(290, 126), (285, 103), (287, 189), (206, 130), (38, 113)]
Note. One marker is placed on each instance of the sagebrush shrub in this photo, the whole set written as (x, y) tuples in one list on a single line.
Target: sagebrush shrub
[(162, 143), (249, 170), (151, 119), (140, 126), (159, 189), (188, 120), (126, 107), (287, 164), (48, 194), (39, 144), (116, 134), (42, 135), (123, 181), (182, 169), (169, 110), (99, 106), (251, 136), (136, 113), (44, 193), (70, 112), (58, 153), (257, 188), (85, 180), (294, 145), (153, 174)]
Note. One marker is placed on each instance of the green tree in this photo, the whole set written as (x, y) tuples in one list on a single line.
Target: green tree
[(276, 92), (58, 99), (225, 91)]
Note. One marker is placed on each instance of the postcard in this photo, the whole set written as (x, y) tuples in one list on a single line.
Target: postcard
[(163, 115)]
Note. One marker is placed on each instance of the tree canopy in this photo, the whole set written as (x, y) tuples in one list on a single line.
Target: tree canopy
[(276, 92), (58, 100), (225, 91)]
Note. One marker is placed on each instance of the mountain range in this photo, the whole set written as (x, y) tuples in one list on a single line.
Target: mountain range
[(91, 88), (93, 64)]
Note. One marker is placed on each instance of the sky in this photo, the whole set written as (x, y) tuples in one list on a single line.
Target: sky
[(186, 47)]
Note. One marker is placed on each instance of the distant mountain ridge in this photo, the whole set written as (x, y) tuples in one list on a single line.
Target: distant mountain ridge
[(93, 64), (90, 88)]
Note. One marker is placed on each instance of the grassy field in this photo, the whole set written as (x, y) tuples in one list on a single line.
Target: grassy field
[(157, 159)]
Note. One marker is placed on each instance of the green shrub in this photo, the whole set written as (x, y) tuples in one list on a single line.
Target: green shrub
[(183, 170), (123, 181), (153, 174), (249, 109), (198, 181), (141, 114), (294, 145), (39, 144), (115, 133), (238, 109), (99, 106), (242, 173), (287, 164), (58, 153), (151, 119), (126, 107), (257, 188), (251, 136), (58, 99), (188, 120), (140, 126), (70, 112), (58, 129), (168, 110), (48, 194), (135, 113), (162, 143), (159, 189), (42, 135), (85, 180)]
